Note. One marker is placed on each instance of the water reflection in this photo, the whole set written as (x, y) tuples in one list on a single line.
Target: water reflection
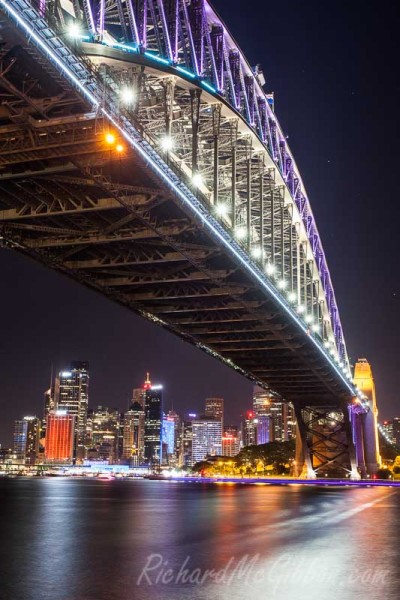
[(91, 540)]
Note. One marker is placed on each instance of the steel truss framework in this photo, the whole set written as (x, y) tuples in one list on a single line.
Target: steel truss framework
[(192, 82), (114, 225)]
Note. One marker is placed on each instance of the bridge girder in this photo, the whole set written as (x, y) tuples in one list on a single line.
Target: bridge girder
[(101, 219)]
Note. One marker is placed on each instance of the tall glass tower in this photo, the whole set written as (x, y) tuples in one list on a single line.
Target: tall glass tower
[(153, 418), (72, 396)]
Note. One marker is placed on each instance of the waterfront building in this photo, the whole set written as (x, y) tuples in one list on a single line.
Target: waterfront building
[(72, 396), (168, 439), (59, 446), (206, 438), (387, 427), (49, 407), (282, 422), (103, 430), (396, 431), (26, 440), (153, 410), (214, 407), (185, 443), (133, 434), (263, 426), (231, 440), (177, 430), (249, 429)]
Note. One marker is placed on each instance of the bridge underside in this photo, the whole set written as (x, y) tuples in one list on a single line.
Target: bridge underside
[(103, 218)]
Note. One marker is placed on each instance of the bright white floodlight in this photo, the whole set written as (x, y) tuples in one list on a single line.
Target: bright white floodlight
[(241, 233), (166, 143), (282, 284), (292, 297), (127, 95), (221, 209), (197, 179), (256, 252), (74, 30), (270, 269)]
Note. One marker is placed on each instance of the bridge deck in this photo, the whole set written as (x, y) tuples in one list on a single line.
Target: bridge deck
[(70, 201)]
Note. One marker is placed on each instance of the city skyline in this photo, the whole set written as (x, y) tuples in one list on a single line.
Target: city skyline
[(70, 432)]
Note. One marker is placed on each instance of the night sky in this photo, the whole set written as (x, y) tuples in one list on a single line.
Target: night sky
[(334, 68)]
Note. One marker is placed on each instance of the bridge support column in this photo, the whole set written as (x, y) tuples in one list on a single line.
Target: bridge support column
[(354, 474), (364, 380), (370, 437), (325, 444), (303, 455), (358, 437)]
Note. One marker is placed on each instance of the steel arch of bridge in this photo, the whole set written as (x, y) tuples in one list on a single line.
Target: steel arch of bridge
[(179, 220), (259, 157), (189, 42)]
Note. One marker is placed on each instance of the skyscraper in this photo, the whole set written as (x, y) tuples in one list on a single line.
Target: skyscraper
[(26, 440), (215, 409), (48, 407), (207, 438), (263, 429), (133, 440), (396, 430), (59, 446), (72, 395), (168, 439), (387, 427), (104, 432), (186, 441), (153, 424), (282, 423), (249, 429), (230, 440), (138, 395)]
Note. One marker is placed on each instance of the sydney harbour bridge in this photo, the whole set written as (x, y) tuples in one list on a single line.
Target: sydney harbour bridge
[(141, 156)]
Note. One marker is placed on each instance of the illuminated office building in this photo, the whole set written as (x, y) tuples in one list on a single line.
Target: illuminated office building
[(49, 407), (282, 423), (168, 440), (103, 432), (263, 429), (138, 394), (72, 395), (249, 429), (177, 430), (185, 442), (387, 427), (59, 446), (133, 434), (153, 417), (26, 440), (231, 440), (215, 408), (396, 430), (206, 438)]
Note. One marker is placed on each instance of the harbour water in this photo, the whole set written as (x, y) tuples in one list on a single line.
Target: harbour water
[(66, 539)]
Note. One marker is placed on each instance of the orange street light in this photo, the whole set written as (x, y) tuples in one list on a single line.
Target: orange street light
[(110, 138), (119, 148)]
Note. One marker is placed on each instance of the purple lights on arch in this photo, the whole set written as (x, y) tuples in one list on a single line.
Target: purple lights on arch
[(191, 35)]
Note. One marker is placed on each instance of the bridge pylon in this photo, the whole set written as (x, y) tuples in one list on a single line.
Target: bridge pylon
[(325, 446), (366, 432)]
